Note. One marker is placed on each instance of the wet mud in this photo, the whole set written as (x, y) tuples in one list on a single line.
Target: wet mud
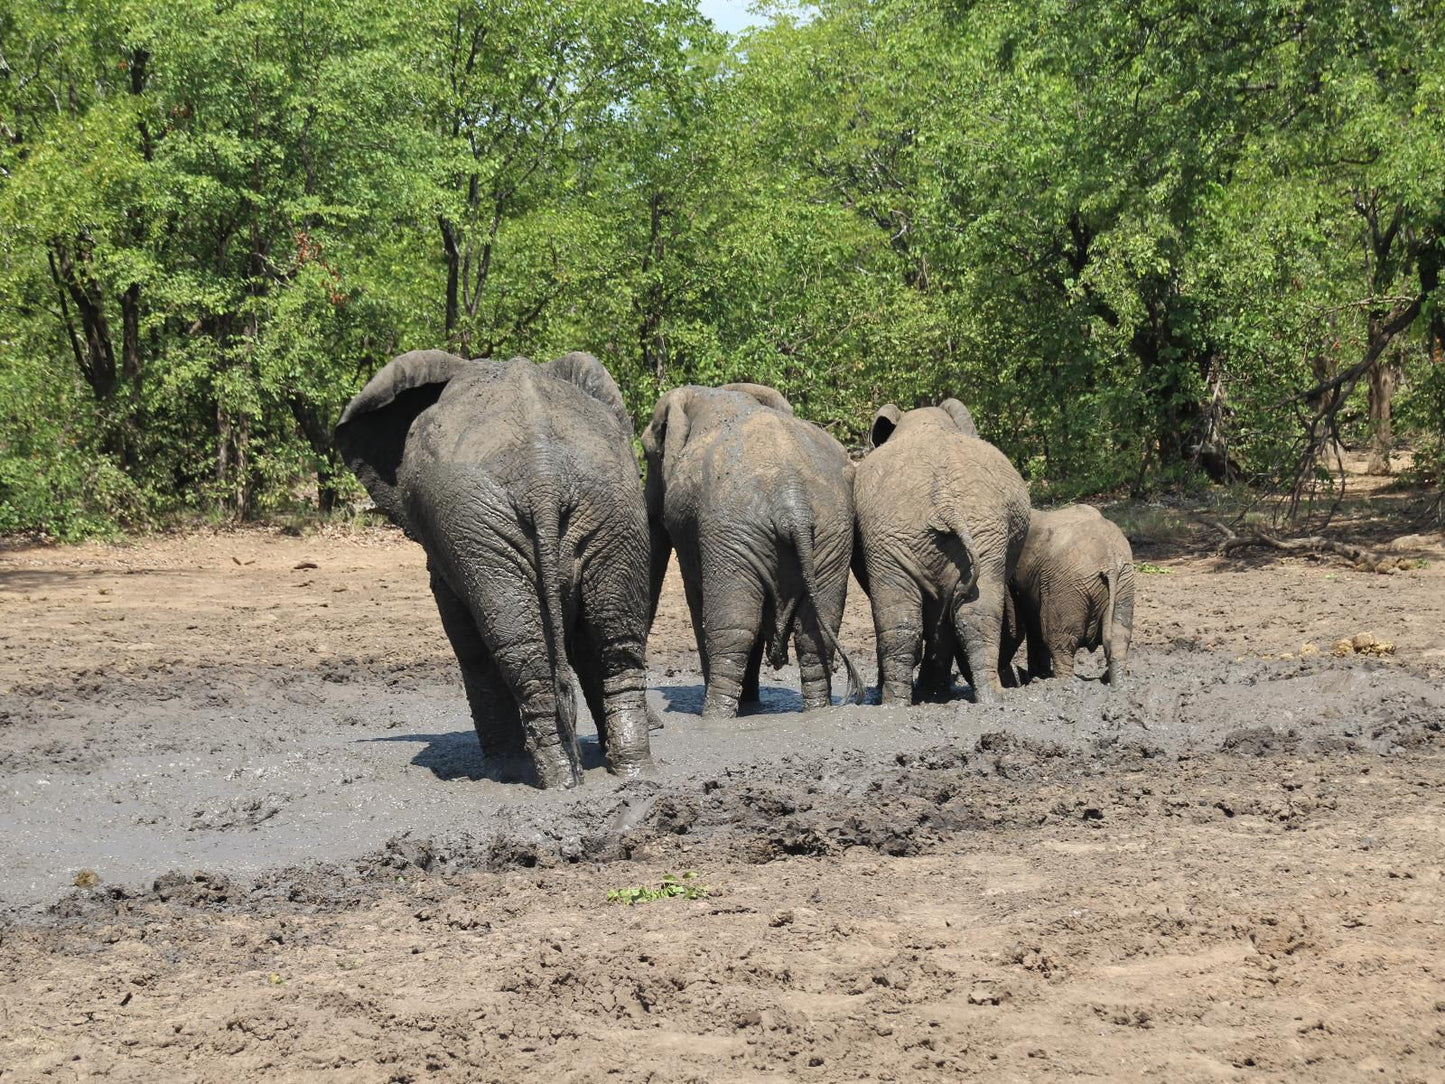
[(250, 832)]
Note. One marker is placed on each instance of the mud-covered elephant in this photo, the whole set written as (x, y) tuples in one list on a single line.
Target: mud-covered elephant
[(520, 482), (941, 520), (759, 507), (1073, 587)]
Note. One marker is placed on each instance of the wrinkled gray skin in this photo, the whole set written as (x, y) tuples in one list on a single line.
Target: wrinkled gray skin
[(1073, 587), (942, 517), (520, 483), (759, 507)]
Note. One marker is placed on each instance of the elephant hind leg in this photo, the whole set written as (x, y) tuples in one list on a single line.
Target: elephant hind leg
[(611, 661), (692, 590), (1061, 658), (898, 622), (815, 632), (1013, 636), (508, 613), (751, 691), (1120, 633), (734, 621), (494, 711), (586, 656), (978, 624), (812, 651)]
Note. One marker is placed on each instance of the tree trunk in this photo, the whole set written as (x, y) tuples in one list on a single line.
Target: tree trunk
[(130, 335), (223, 456), (1384, 378), (1176, 416), (318, 435), (243, 469), (454, 264), (94, 352), (650, 304)]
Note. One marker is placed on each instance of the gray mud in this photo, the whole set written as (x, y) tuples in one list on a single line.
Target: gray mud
[(224, 783)]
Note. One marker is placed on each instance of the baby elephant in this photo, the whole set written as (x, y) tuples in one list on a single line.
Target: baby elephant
[(1073, 587), (759, 505)]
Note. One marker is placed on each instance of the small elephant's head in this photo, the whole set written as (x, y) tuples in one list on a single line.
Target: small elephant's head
[(949, 414)]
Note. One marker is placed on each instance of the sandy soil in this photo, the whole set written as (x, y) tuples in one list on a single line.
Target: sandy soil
[(251, 754)]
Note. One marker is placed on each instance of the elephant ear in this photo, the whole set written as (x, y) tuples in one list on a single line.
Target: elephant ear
[(371, 434), (884, 422), (665, 438), (769, 397), (960, 415), (589, 374)]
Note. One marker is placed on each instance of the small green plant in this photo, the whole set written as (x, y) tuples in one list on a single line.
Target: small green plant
[(1150, 570), (669, 887)]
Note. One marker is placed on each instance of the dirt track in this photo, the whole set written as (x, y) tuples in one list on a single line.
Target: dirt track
[(1230, 870)]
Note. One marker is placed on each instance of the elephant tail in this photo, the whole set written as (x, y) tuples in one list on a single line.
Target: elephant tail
[(546, 523), (1111, 580), (947, 521), (801, 535)]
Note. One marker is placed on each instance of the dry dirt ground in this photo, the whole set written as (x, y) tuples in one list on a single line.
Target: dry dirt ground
[(247, 832)]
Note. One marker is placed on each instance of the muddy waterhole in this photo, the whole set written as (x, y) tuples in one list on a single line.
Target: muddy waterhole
[(248, 830)]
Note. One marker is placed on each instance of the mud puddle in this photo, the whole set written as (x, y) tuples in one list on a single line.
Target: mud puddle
[(282, 770)]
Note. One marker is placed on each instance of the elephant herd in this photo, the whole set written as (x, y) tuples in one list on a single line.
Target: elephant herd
[(547, 557)]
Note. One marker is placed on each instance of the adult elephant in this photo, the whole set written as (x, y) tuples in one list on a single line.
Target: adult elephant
[(942, 517), (1073, 587), (759, 506), (520, 483)]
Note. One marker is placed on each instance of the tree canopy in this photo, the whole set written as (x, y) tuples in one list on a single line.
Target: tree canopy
[(1143, 241)]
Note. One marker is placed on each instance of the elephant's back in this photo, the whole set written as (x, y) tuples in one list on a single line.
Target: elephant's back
[(921, 464), (893, 488), (764, 469), (1080, 534), (756, 449), (494, 413), (900, 487)]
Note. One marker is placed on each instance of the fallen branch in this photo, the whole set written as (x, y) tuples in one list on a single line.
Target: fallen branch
[(1312, 545)]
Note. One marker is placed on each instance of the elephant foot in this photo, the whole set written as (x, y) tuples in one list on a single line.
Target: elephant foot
[(719, 706), (627, 749), (817, 703), (654, 720), (641, 768), (985, 693), (554, 770), (895, 696)]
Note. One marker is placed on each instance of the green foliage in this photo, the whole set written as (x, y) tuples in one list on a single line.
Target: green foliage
[(670, 887), (1136, 238)]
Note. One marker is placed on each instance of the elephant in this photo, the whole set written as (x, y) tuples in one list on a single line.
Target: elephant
[(1073, 587), (759, 507), (520, 483), (941, 520)]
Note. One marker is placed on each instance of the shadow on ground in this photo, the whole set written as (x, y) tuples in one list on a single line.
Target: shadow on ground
[(458, 755)]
